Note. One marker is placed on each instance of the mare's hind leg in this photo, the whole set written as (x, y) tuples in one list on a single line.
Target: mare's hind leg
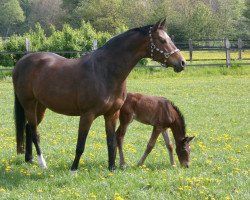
[(34, 116), (169, 146), (40, 110), (151, 143)]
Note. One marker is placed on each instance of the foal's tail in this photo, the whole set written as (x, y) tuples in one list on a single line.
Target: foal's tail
[(20, 121)]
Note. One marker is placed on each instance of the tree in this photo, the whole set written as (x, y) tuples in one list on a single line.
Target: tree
[(246, 13), (202, 24), (46, 13), (11, 14), (104, 15)]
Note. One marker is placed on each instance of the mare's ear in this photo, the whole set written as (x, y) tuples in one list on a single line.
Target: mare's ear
[(163, 23), (160, 23), (188, 139)]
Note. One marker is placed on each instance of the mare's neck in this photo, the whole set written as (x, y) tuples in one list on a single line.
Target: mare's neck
[(121, 54)]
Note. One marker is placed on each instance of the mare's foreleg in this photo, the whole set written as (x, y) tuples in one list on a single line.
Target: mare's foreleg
[(84, 126), (169, 146), (151, 144), (110, 124)]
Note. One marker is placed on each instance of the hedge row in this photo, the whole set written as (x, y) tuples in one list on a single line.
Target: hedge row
[(67, 39)]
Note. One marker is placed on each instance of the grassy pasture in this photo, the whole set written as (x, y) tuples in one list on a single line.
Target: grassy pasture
[(216, 106)]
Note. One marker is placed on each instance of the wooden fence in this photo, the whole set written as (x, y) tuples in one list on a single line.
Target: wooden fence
[(191, 46), (226, 46)]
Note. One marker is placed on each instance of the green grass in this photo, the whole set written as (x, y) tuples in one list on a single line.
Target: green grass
[(216, 106)]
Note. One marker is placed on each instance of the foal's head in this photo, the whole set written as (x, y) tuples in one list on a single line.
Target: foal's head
[(178, 128), (162, 48), (183, 151)]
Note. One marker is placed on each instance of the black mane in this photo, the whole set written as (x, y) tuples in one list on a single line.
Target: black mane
[(182, 119), (143, 30)]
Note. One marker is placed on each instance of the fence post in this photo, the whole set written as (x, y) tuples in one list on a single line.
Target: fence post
[(94, 47), (239, 48), (27, 45), (227, 47), (190, 45)]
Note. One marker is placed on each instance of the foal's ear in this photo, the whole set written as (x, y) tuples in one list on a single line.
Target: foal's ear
[(188, 139), (160, 23)]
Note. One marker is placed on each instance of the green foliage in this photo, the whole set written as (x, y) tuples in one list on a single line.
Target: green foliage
[(11, 14), (201, 23), (37, 38), (14, 43), (68, 39), (247, 9), (102, 14)]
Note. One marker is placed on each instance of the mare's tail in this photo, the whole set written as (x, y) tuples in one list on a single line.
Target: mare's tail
[(20, 122)]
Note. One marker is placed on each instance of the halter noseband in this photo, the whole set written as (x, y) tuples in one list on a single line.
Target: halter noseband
[(153, 47)]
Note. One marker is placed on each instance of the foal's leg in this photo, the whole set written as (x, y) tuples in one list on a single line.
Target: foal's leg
[(125, 119), (169, 146), (110, 124), (155, 133), (84, 126), (120, 133)]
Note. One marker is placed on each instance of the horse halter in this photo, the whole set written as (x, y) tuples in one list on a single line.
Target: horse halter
[(153, 47)]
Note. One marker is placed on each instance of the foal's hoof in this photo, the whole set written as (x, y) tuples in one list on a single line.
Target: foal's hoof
[(123, 166)]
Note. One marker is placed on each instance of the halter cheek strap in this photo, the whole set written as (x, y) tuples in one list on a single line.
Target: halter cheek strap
[(153, 47)]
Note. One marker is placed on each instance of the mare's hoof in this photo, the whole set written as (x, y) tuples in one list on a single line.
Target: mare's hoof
[(41, 162), (112, 168), (73, 172), (29, 159)]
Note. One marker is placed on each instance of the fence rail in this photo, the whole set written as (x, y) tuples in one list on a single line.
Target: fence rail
[(191, 46)]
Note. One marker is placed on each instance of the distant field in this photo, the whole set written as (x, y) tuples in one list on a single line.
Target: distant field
[(216, 106), (210, 57)]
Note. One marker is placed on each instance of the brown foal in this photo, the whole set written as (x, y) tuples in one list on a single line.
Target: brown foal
[(161, 114)]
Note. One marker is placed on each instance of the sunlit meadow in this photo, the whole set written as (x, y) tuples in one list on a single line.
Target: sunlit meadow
[(216, 106)]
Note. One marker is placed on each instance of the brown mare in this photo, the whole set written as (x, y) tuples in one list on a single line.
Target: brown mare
[(90, 86), (161, 114)]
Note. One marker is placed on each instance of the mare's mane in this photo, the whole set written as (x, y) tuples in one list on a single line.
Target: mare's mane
[(142, 30)]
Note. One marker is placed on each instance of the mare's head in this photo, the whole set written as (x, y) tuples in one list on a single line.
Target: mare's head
[(162, 48), (183, 151)]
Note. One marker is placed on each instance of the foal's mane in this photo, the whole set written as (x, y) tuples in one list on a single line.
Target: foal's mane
[(182, 119)]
